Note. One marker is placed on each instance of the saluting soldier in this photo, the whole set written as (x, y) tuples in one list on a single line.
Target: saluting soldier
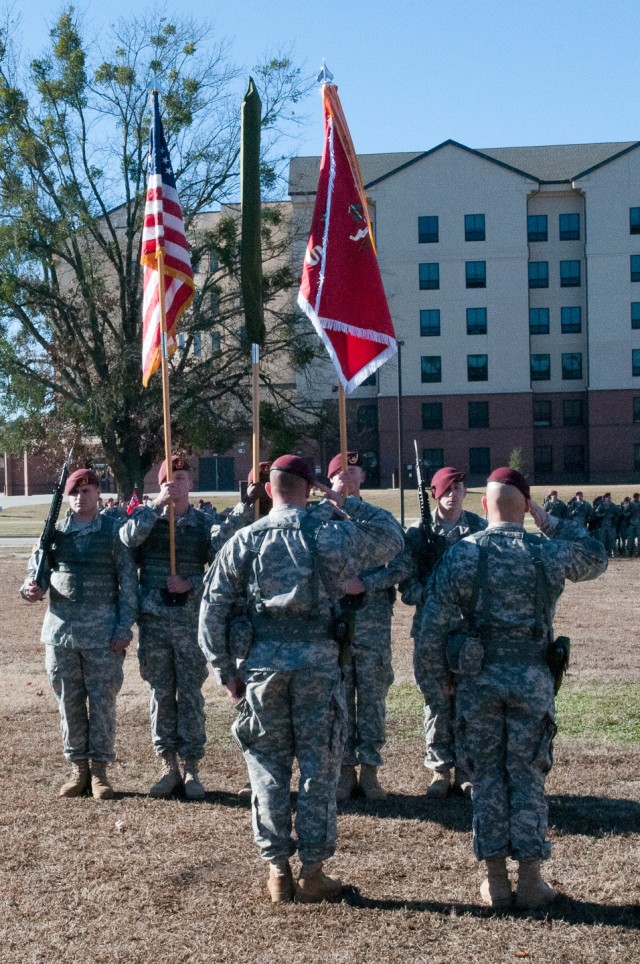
[(93, 599), (170, 659), (579, 510), (554, 506), (291, 567), (501, 587)]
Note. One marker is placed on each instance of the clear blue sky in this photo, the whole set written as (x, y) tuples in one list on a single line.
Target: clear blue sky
[(412, 73)]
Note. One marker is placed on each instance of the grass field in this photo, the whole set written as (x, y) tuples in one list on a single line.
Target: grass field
[(136, 880)]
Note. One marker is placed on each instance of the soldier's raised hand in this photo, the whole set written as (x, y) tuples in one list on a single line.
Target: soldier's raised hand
[(538, 514)]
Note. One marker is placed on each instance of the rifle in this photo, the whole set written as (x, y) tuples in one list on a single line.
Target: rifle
[(429, 549), (49, 532)]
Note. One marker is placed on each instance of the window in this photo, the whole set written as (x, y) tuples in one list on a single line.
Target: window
[(474, 227), (635, 314), (370, 381), (477, 368), (634, 220), (569, 274), (538, 321), (428, 230), (476, 274), (571, 320), (542, 458), (197, 345), (215, 341), (540, 368), (569, 227), (538, 274), (431, 368), (574, 458), (480, 461), (636, 456), (635, 267), (367, 418), (182, 340), (478, 414), (431, 415), (429, 276), (635, 361), (541, 413), (572, 411), (537, 227), (636, 409), (476, 321), (433, 460), (429, 322), (571, 365)]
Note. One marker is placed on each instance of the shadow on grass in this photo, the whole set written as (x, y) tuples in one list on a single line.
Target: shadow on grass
[(562, 909), (588, 816)]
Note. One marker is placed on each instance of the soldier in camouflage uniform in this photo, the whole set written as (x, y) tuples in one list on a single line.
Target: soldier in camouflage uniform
[(369, 673), (289, 568), (554, 506), (450, 523), (579, 510), (607, 512), (93, 599), (632, 513), (169, 656), (503, 584)]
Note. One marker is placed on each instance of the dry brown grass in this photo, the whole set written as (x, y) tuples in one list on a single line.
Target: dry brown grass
[(137, 880)]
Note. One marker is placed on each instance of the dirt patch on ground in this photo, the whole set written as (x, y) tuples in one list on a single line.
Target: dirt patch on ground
[(137, 880)]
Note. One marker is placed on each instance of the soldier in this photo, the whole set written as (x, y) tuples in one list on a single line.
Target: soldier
[(503, 584), (450, 523), (291, 566), (607, 512), (368, 674), (555, 506), (579, 510), (93, 596), (170, 660), (633, 525)]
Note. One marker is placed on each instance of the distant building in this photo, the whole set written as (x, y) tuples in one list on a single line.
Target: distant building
[(513, 278)]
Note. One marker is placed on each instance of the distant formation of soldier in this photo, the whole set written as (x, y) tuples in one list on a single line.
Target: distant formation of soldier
[(293, 612)]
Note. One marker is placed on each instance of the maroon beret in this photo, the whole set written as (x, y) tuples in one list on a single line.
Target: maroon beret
[(79, 478), (508, 476), (294, 465), (335, 465), (263, 469), (553, 491), (443, 478), (179, 463)]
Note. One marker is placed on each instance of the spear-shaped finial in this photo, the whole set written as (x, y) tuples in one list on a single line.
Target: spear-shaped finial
[(325, 76)]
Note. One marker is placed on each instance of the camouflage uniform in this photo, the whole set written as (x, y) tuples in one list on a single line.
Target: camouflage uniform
[(555, 507), (607, 513), (290, 566), (439, 709), (579, 512), (170, 660), (632, 513), (93, 598), (505, 716)]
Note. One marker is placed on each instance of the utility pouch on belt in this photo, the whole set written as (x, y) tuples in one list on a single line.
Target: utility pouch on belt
[(343, 627), (557, 659), (465, 654)]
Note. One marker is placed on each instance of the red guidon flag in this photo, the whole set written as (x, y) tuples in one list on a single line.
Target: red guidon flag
[(163, 228), (341, 289)]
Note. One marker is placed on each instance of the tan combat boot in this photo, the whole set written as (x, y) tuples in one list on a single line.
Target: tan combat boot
[(532, 890), (496, 889), (280, 883), (462, 782), (170, 779), (100, 786), (193, 789), (78, 780), (369, 783), (439, 786), (346, 784), (315, 886)]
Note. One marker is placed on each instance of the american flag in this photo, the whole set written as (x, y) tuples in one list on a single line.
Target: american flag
[(163, 228)]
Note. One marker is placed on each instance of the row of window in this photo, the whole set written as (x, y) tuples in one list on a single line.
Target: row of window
[(479, 460), (476, 274), (569, 274), (478, 367), (478, 414), (429, 275), (475, 228), (573, 458), (539, 320), (570, 320)]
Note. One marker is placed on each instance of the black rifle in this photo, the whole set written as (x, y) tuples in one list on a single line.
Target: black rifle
[(49, 532), (429, 550)]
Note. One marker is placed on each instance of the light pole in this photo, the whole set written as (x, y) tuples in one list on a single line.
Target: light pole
[(400, 436)]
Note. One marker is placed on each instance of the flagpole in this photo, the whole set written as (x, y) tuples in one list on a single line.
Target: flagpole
[(164, 364), (342, 418), (255, 374)]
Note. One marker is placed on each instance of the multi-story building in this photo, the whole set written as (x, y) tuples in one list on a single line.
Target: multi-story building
[(513, 279)]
